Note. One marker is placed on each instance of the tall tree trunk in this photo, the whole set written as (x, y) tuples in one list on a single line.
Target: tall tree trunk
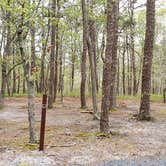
[(93, 77), (61, 75), (102, 46), (164, 95), (132, 44), (1, 44), (83, 58), (73, 67), (31, 86), (129, 72), (92, 34), (114, 59), (29, 79), (42, 74), (30, 90), (14, 76), (57, 51), (91, 43), (7, 52), (139, 75), (18, 82), (144, 113), (9, 85), (24, 83), (44, 35), (52, 57), (118, 77), (112, 9), (123, 67)]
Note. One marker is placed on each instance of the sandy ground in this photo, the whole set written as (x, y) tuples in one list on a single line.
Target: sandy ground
[(72, 137)]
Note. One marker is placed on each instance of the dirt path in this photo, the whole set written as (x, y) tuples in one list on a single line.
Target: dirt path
[(72, 137)]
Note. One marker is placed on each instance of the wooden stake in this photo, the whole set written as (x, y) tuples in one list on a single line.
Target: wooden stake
[(43, 120)]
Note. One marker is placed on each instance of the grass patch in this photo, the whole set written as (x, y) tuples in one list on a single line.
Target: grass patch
[(153, 97), (17, 95), (156, 98), (24, 127), (75, 94), (114, 110), (22, 144), (72, 94), (22, 95), (163, 111), (29, 146), (137, 97), (1, 106)]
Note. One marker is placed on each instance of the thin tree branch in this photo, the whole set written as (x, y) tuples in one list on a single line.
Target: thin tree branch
[(14, 66)]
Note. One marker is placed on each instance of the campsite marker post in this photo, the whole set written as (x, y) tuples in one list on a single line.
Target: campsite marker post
[(43, 121)]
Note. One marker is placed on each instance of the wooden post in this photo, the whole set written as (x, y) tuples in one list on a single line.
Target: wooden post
[(43, 120)]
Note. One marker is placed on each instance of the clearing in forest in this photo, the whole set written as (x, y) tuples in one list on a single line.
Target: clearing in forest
[(72, 137)]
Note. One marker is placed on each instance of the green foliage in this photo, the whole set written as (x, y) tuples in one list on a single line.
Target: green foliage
[(163, 111), (72, 94), (73, 12), (161, 12), (17, 95), (127, 97), (156, 98), (21, 144), (114, 110), (153, 97), (22, 95)]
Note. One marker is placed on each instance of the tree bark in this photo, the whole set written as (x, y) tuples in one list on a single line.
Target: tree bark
[(83, 58), (144, 113), (112, 9), (7, 52), (93, 78), (92, 34), (132, 45), (14, 76), (30, 90), (129, 72), (57, 50), (61, 71), (18, 82), (52, 57), (73, 57), (29, 79), (114, 59), (118, 77), (123, 67), (45, 36), (164, 95)]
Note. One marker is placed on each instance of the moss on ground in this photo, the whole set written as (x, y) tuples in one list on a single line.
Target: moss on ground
[(22, 144), (162, 111), (93, 134), (114, 110)]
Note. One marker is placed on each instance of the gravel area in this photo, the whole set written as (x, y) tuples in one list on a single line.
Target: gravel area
[(11, 158), (71, 136), (160, 161), (35, 158)]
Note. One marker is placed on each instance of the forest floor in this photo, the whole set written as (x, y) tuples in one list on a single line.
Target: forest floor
[(72, 136)]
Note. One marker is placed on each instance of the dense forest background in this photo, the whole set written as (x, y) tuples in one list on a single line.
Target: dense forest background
[(35, 18), (60, 47)]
